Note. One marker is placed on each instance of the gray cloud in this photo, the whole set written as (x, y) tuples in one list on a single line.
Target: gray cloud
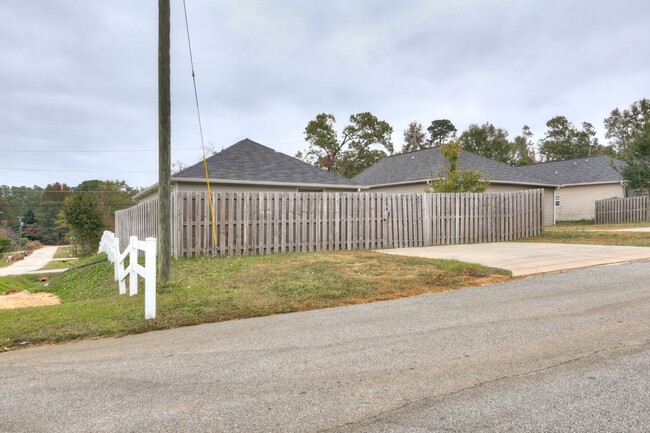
[(82, 75)]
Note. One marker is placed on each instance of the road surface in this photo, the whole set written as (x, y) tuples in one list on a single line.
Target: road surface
[(31, 263), (560, 352)]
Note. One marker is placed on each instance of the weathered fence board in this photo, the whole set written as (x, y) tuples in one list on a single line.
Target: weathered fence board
[(620, 210), (273, 222)]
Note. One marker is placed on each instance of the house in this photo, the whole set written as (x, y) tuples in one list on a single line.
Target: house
[(571, 187), (579, 183), (250, 166), (411, 172)]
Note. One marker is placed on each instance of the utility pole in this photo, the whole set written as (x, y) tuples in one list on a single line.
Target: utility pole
[(20, 232), (164, 143)]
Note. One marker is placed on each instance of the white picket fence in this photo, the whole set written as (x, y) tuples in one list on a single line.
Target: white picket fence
[(110, 245)]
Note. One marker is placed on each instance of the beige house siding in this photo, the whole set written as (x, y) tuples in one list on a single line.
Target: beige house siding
[(495, 187), (579, 202), (231, 187)]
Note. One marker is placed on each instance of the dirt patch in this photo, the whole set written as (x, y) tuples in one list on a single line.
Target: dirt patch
[(13, 299)]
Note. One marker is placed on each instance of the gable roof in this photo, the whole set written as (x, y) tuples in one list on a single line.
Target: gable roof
[(429, 163), (597, 169), (249, 161)]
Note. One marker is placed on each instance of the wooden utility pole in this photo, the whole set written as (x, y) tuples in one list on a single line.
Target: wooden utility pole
[(164, 144)]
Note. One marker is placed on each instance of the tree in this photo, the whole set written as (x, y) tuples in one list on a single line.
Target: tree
[(53, 197), (636, 171), (440, 131), (353, 152), (564, 141), (488, 141), (624, 126), (112, 195), (453, 179), (83, 216), (414, 138), (5, 244), (523, 149)]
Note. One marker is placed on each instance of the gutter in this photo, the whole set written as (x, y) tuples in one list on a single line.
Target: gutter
[(154, 187)]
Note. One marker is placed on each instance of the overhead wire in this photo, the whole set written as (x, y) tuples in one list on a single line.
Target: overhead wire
[(198, 113)]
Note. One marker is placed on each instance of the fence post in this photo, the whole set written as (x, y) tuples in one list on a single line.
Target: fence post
[(150, 279), (116, 254), (133, 259)]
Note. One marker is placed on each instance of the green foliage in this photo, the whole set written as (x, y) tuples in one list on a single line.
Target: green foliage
[(5, 244), (453, 179), (623, 126), (83, 215), (564, 141), (523, 149), (488, 141), (353, 152), (414, 138), (440, 131), (636, 170)]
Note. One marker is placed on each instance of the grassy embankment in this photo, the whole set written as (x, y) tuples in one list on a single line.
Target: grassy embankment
[(585, 232), (216, 289)]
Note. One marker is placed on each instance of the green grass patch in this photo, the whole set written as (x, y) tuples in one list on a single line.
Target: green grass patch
[(631, 239), (58, 264), (15, 282), (215, 289), (65, 252), (590, 225)]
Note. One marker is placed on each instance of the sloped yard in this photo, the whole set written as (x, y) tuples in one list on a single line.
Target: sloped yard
[(216, 289)]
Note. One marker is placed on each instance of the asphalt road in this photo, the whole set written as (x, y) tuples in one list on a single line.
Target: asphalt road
[(565, 352)]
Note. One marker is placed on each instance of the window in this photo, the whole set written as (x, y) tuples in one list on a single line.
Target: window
[(557, 200)]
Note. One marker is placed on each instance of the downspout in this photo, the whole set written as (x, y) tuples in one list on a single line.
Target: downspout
[(557, 189)]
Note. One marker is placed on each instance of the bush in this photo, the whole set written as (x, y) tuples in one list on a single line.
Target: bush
[(5, 244), (33, 245)]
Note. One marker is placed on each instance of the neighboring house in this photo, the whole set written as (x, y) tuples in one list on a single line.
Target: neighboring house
[(411, 172), (580, 182), (250, 166)]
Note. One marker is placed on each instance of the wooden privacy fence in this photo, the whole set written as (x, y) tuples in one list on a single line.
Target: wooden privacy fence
[(621, 210), (273, 222)]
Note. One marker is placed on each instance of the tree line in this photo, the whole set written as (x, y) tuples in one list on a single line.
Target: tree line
[(367, 139), (59, 214)]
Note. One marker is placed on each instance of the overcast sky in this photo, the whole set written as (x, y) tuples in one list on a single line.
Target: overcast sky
[(78, 79)]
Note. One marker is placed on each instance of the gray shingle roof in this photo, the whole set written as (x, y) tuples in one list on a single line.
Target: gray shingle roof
[(247, 160), (429, 163), (576, 171)]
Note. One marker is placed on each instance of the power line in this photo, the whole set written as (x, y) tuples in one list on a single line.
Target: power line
[(75, 171), (127, 150), (89, 151)]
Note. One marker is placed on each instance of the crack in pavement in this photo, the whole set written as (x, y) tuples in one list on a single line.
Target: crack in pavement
[(377, 417)]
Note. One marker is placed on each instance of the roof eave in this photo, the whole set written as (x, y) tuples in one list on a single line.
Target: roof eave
[(510, 182), (604, 182)]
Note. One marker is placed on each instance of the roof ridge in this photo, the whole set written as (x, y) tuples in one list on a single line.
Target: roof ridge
[(567, 160)]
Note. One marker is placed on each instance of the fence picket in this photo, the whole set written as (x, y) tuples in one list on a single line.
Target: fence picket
[(267, 222)]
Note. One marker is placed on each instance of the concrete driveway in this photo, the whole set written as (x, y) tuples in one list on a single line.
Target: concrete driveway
[(529, 258), (31, 263)]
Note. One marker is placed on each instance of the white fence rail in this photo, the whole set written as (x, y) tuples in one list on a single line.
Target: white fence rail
[(110, 245)]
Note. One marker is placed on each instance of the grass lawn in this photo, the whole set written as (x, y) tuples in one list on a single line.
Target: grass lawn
[(59, 264), (590, 225), (64, 252), (215, 289), (590, 234)]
